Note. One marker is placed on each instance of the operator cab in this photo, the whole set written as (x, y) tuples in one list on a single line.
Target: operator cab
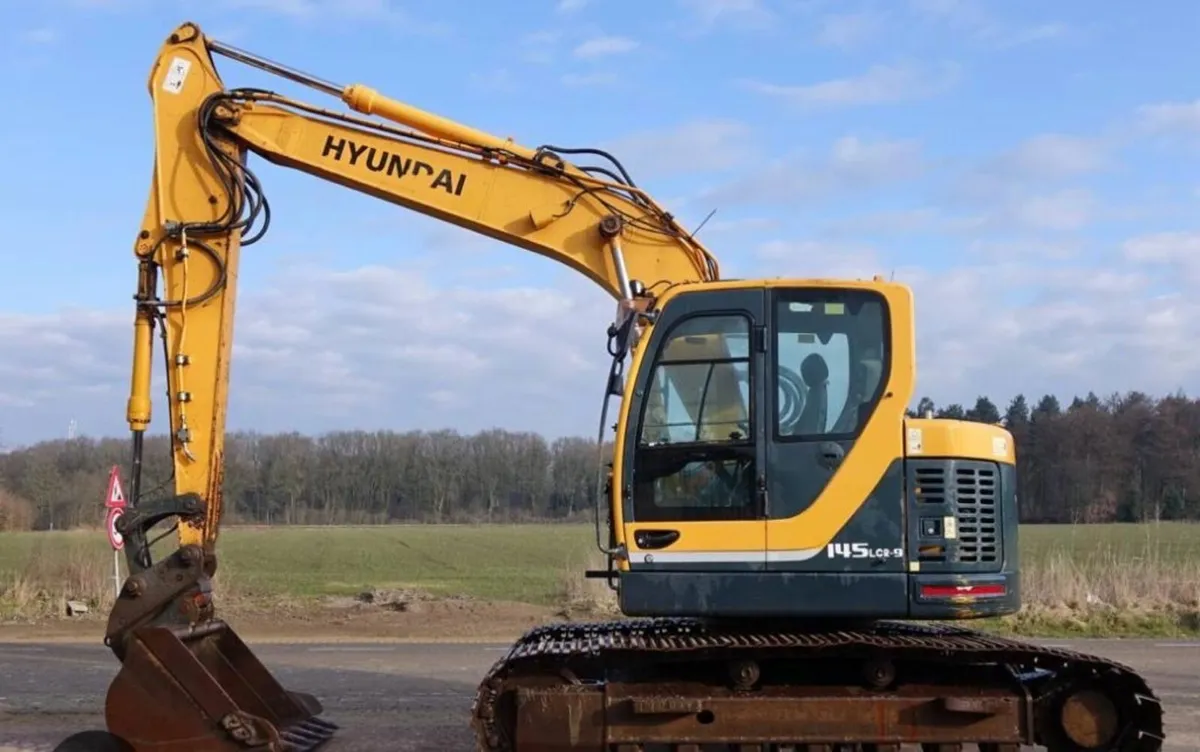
[(760, 467), (727, 381)]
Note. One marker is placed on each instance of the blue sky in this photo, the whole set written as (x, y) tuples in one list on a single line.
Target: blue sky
[(1030, 168)]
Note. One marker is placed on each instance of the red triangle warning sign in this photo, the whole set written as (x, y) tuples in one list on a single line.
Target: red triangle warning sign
[(115, 498)]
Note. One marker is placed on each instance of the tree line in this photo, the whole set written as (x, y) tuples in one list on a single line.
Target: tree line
[(1129, 457)]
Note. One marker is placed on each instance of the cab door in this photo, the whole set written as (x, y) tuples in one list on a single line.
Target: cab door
[(692, 496), (838, 385)]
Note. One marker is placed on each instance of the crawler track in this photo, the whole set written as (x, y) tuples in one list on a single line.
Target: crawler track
[(684, 684)]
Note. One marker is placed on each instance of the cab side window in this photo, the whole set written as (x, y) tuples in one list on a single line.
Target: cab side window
[(830, 361)]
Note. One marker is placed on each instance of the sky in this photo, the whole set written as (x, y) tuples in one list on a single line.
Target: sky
[(1030, 169)]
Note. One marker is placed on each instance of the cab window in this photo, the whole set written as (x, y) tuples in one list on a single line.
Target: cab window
[(695, 455), (830, 361), (700, 388)]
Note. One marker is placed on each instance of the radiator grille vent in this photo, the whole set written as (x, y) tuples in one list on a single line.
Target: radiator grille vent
[(972, 494), (975, 512), (931, 485)]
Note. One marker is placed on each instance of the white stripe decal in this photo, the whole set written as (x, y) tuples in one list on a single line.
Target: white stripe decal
[(795, 554), (704, 557), (696, 557)]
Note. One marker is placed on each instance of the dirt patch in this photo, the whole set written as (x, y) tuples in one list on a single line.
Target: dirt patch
[(371, 616), (392, 614)]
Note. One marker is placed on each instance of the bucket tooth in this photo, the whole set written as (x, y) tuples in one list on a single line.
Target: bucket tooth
[(305, 737)]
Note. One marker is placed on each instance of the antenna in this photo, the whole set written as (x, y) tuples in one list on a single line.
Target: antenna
[(703, 222)]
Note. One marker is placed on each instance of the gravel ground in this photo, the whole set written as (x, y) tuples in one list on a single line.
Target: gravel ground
[(410, 697)]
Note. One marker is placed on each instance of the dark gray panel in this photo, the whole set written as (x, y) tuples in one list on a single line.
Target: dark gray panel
[(872, 541), (735, 594)]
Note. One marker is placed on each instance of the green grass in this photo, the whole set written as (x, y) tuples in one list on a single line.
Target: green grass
[(1087, 579), (1167, 541), (516, 563)]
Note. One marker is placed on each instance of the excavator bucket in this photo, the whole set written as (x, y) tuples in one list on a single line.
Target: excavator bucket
[(187, 681), (202, 690)]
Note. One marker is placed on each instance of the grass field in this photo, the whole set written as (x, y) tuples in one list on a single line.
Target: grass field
[(1099, 579)]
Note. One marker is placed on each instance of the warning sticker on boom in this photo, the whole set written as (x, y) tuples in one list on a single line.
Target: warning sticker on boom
[(177, 73)]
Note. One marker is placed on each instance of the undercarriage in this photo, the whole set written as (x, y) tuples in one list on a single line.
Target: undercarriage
[(645, 685)]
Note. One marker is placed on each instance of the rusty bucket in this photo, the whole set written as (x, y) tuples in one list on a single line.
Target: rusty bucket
[(201, 689)]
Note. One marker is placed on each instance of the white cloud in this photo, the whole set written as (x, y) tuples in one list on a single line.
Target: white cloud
[(740, 225), (331, 11), (918, 220), (820, 259), (109, 5), (494, 80), (1030, 167), (1024, 247), (41, 36), (605, 45), (880, 84), (1164, 247), (972, 18), (291, 8), (709, 14), (1080, 328), (538, 46), (389, 346), (581, 80), (862, 157), (1031, 34), (56, 367), (968, 13), (1055, 155), (402, 347), (697, 146), (1171, 117), (1176, 251), (848, 29), (852, 164), (542, 36), (363, 8), (1032, 185), (1070, 209), (1020, 209), (570, 6)]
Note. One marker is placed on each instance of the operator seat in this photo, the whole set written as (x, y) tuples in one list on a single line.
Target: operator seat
[(872, 371), (815, 372)]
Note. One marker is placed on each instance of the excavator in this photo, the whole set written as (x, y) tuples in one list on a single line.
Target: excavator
[(794, 553)]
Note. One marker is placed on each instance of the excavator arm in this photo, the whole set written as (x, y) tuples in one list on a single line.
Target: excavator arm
[(205, 205)]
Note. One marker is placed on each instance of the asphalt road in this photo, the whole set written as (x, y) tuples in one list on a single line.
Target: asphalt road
[(410, 697)]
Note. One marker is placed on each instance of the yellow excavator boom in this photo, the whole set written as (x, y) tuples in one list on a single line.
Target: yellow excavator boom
[(204, 199)]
